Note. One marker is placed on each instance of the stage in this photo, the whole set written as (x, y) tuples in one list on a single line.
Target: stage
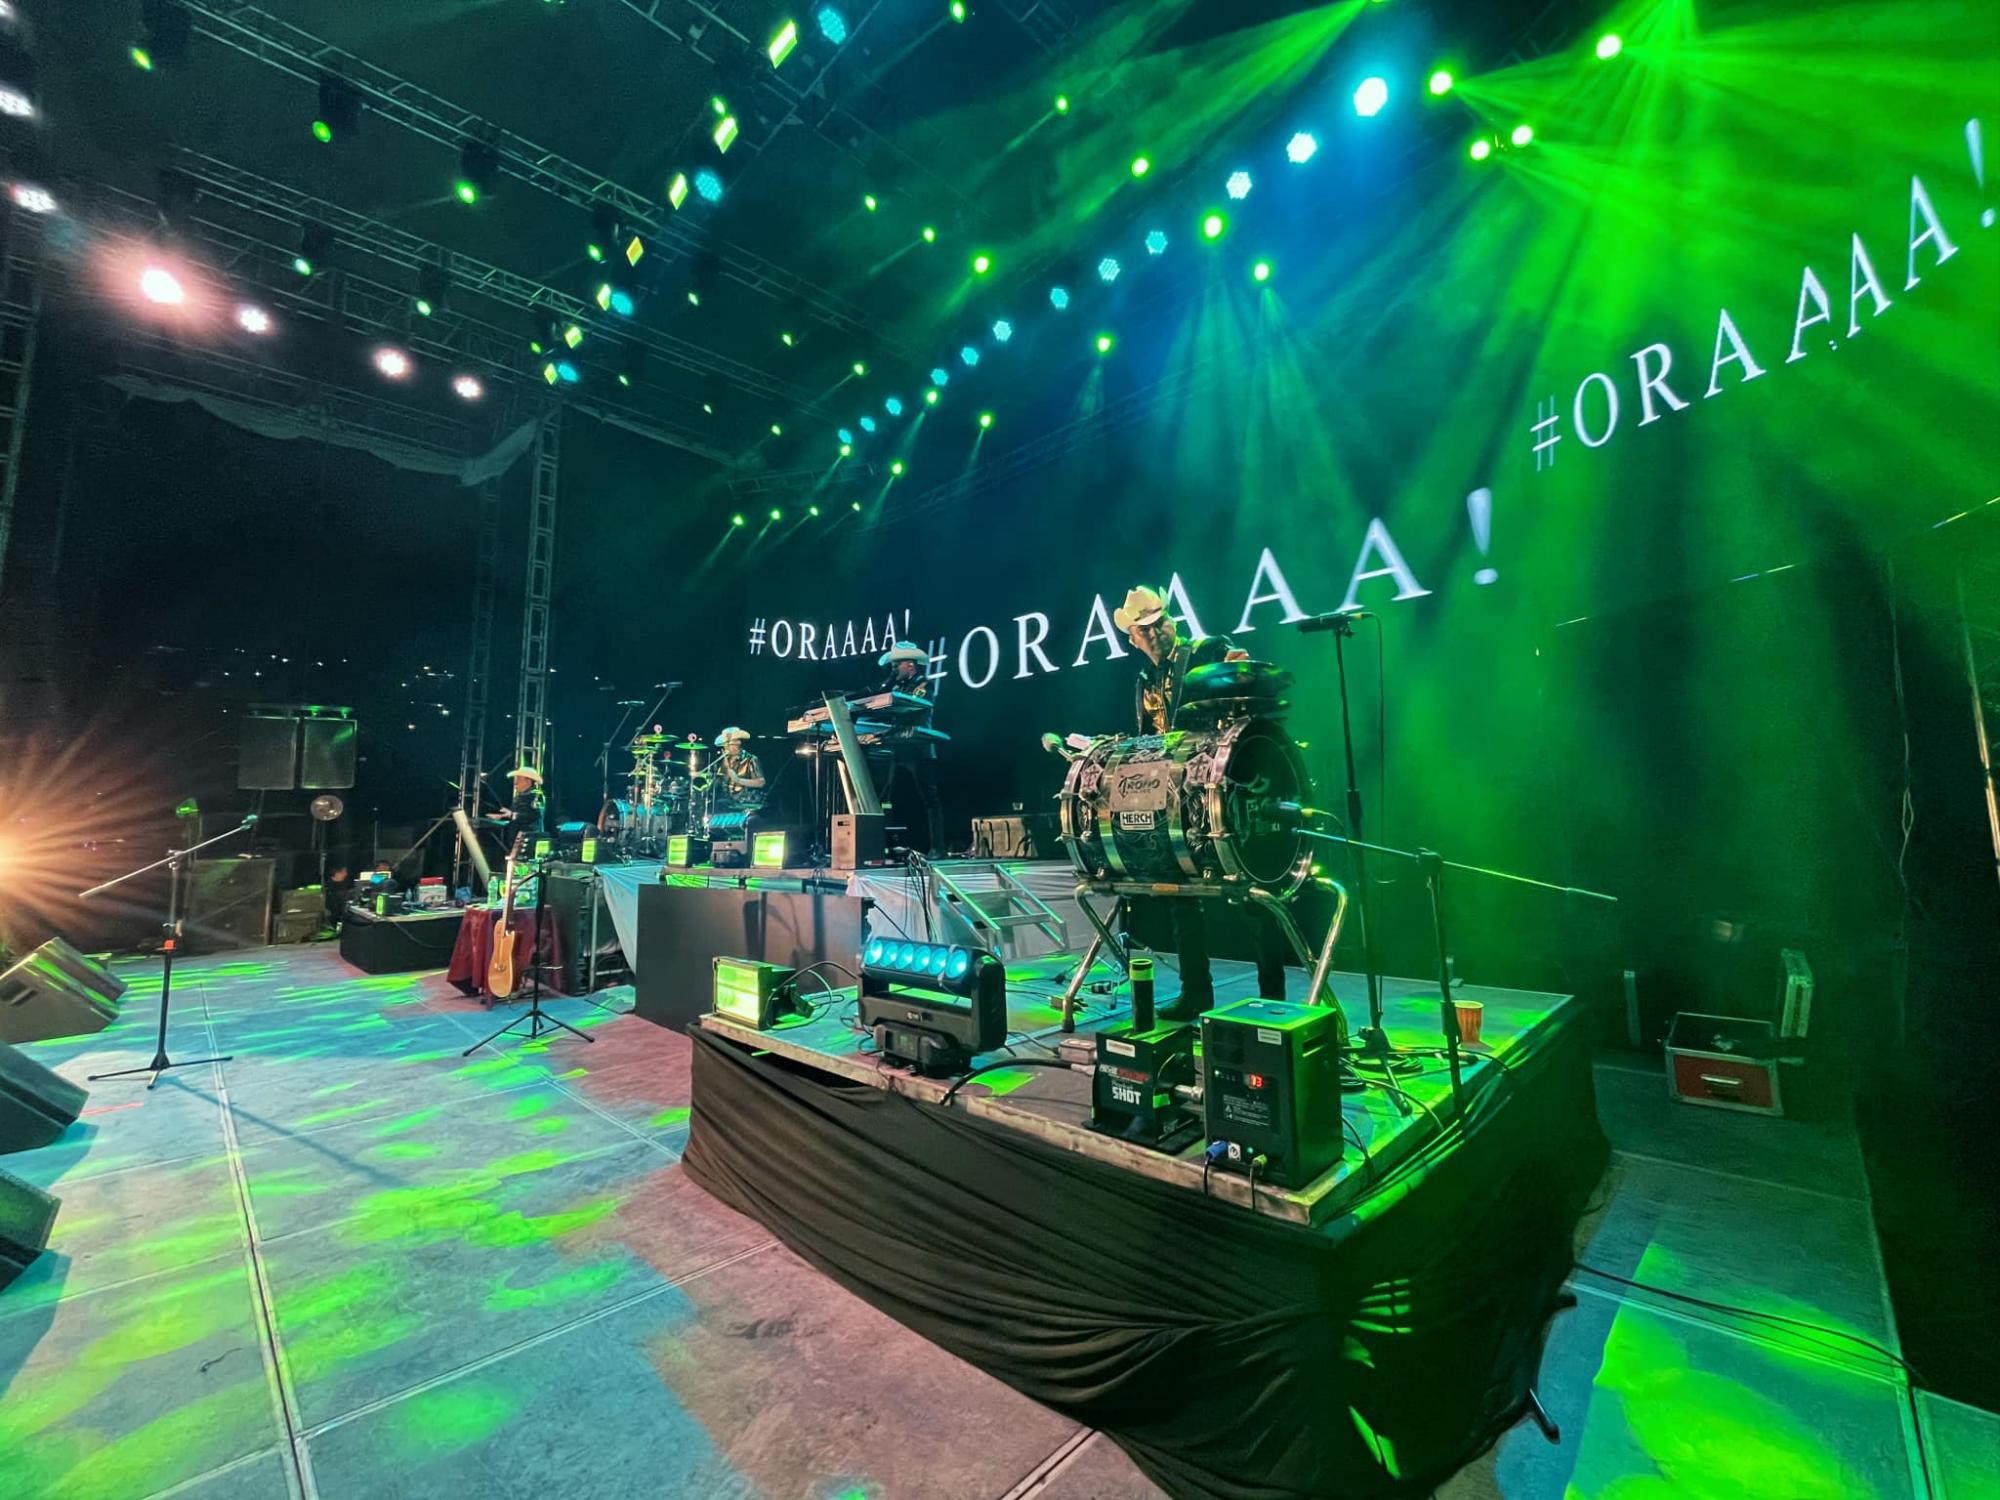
[(352, 1263)]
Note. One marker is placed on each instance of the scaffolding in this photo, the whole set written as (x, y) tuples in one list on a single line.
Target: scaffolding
[(531, 714), (20, 314)]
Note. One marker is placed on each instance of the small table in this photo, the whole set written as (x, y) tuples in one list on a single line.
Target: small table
[(473, 952), (400, 944)]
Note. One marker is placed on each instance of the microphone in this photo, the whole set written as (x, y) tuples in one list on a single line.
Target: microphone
[(1341, 620), (1052, 743), (630, 702)]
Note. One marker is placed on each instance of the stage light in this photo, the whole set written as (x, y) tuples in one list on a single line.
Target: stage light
[(1156, 242), (168, 28), (1141, 166), (393, 363), (141, 58), (31, 199), (16, 104), (931, 396), (708, 183), (1481, 149), (634, 249), (1301, 147), (1370, 96), (854, 505), (694, 299), (302, 265), (867, 424), (1108, 269), (339, 109), (717, 103), (958, 11), (893, 406), (1609, 46), (969, 354), (930, 235), (787, 340), (677, 190), (549, 372), (478, 171), (847, 450), (567, 372), (1261, 271), (1058, 298), (726, 131), (776, 430), (1238, 185), (940, 376), (737, 519), (832, 24), (1002, 331), (812, 510), (157, 284), (1214, 226), (896, 467), (870, 202), (985, 420), (572, 335), (253, 319), (423, 307), (782, 43), (776, 514), (1522, 135), (1441, 82), (860, 368), (467, 387), (603, 231), (845, 436), (1105, 343), (981, 264), (615, 299)]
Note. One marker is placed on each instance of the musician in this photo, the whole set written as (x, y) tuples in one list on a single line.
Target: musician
[(1168, 658), (523, 819), (740, 773), (913, 755)]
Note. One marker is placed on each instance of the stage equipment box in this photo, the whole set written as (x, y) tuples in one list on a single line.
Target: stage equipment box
[(399, 945), (1271, 1086), (1725, 1062), (684, 929)]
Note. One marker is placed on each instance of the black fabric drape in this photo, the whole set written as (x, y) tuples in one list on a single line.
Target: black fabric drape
[(1232, 1356)]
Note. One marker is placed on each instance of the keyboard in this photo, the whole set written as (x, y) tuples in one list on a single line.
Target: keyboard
[(896, 705)]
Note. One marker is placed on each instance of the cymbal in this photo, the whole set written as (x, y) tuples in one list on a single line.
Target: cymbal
[(689, 745)]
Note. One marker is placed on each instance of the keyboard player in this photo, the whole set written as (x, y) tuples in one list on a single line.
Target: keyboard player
[(912, 750)]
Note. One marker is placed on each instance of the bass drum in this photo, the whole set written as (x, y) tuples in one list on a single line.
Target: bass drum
[(1194, 805), (618, 825)]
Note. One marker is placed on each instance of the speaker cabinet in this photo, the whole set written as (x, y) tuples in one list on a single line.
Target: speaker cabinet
[(229, 904), (37, 1104), (56, 992), (25, 1216), (329, 754), (267, 758), (857, 841)]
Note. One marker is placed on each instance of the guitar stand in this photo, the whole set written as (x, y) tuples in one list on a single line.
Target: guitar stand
[(1106, 941), (540, 1022)]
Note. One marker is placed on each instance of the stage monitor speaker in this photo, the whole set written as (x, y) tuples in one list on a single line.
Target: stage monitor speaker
[(229, 904), (25, 1216), (37, 1104), (268, 755), (56, 992), (329, 754)]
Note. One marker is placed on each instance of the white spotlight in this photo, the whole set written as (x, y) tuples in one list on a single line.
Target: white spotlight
[(157, 284), (15, 103), (32, 199), (253, 319), (468, 387), (393, 362)]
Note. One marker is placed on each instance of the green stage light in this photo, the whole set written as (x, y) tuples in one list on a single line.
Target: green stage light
[(301, 265), (870, 202), (854, 505), (423, 305), (930, 234), (787, 340), (1609, 46), (726, 131), (985, 420), (1522, 134), (958, 11), (981, 264), (736, 520), (716, 103), (1141, 166), (847, 450), (1105, 343), (1214, 226), (1261, 271), (572, 335), (782, 42), (776, 514), (466, 192), (931, 396), (860, 368), (322, 132), (1062, 104), (1481, 149), (677, 190), (776, 430), (896, 467), (141, 59), (694, 299), (1441, 82), (812, 510), (709, 407)]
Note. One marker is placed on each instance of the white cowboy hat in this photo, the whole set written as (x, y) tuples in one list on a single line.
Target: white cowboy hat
[(1142, 607), (528, 771), (904, 651), (732, 733)]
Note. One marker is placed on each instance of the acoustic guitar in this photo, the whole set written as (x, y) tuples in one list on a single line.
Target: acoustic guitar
[(501, 975)]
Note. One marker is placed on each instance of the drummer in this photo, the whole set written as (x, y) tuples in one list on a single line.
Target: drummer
[(738, 772), (1169, 657)]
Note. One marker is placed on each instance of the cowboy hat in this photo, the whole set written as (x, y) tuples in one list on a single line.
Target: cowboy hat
[(1142, 606), (731, 734), (904, 651), (528, 771)]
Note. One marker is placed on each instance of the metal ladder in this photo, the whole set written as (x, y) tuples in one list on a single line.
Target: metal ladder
[(1008, 905)]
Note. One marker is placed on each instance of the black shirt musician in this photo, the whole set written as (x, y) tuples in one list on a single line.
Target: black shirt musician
[(1168, 657), (523, 819), (913, 755)]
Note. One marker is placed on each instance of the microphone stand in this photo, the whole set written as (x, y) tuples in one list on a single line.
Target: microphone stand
[(1434, 865), (604, 755), (176, 862)]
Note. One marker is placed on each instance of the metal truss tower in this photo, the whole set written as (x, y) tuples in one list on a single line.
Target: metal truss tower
[(531, 715), (479, 661), (20, 313)]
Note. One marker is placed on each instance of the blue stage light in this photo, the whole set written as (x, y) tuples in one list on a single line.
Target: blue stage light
[(940, 376), (845, 436), (867, 424), (1003, 331), (567, 372), (960, 961), (1108, 268), (1370, 96), (621, 303), (1058, 298), (893, 406), (708, 182), (969, 354), (1302, 147), (832, 25), (1238, 185), (1156, 242)]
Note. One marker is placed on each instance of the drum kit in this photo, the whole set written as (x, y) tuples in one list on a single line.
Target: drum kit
[(674, 787)]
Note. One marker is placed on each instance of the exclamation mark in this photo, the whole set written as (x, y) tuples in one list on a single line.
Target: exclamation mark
[(1975, 147), (1479, 506)]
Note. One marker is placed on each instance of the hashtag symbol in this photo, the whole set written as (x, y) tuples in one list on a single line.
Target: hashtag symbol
[(757, 638), (934, 669), (1545, 444)]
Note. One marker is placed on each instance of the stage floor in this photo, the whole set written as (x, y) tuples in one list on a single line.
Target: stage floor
[(352, 1264)]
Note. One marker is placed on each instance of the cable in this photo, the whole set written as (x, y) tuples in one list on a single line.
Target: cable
[(1354, 1134), (1381, 741), (1256, 1161), (1213, 1152), (1009, 1062)]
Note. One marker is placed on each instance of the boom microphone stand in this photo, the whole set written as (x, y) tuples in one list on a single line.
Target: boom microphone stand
[(176, 862), (540, 1022)]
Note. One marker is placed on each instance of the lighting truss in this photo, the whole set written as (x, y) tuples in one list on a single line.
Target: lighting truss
[(256, 33)]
